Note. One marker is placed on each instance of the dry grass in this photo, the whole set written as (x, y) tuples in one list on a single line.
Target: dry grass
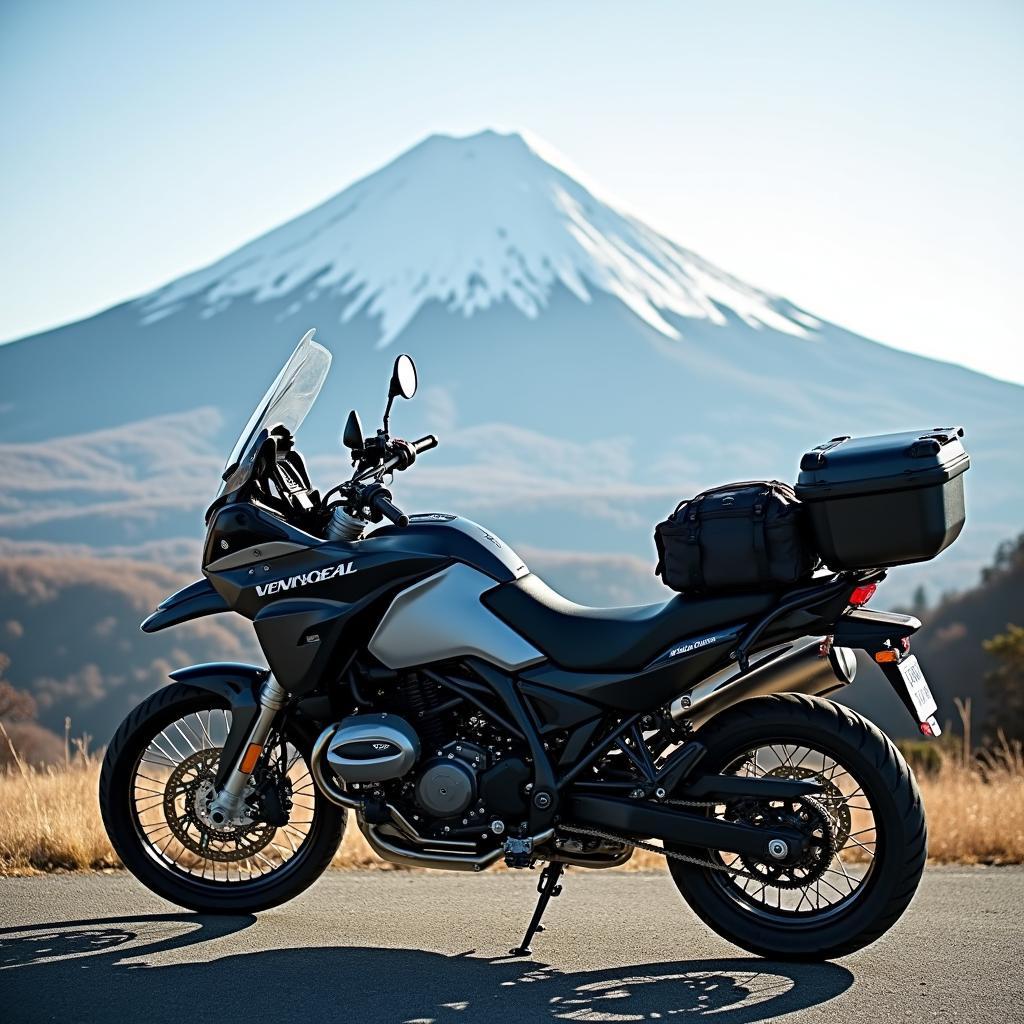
[(974, 799), (49, 817)]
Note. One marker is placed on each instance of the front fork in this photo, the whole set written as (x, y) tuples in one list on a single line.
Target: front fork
[(229, 802)]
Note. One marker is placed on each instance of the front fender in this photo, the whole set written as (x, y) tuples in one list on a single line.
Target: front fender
[(240, 685)]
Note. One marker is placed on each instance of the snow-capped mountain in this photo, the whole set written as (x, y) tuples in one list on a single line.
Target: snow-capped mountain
[(583, 371), (472, 223)]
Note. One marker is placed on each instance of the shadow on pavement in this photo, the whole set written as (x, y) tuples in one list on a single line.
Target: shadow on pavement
[(102, 969)]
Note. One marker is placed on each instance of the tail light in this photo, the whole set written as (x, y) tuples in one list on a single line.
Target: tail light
[(863, 594)]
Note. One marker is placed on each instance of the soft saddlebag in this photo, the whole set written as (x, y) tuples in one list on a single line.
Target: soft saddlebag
[(886, 500), (748, 536)]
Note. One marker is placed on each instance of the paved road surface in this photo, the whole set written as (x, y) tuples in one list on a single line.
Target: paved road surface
[(390, 946)]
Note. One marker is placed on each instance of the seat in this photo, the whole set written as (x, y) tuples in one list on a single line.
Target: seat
[(583, 639)]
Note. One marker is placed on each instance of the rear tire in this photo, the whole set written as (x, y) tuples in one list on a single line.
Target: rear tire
[(900, 847), (118, 807)]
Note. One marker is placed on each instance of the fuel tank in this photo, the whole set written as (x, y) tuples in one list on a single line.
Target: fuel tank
[(462, 539), (314, 601)]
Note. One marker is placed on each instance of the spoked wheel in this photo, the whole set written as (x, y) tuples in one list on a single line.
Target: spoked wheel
[(865, 832), (156, 788)]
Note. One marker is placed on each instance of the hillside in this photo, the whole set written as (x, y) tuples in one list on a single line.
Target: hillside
[(955, 629)]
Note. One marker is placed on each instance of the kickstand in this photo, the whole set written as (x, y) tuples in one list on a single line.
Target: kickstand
[(547, 887)]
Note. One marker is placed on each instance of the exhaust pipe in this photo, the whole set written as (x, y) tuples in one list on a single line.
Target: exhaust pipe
[(789, 668), (329, 786)]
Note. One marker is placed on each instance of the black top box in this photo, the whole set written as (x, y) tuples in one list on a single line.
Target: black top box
[(888, 500)]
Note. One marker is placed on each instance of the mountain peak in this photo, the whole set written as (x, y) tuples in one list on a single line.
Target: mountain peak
[(470, 222)]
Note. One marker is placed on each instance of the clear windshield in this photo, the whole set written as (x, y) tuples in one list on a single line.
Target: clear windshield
[(287, 400)]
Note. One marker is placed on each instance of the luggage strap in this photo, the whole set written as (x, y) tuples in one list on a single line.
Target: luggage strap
[(758, 526)]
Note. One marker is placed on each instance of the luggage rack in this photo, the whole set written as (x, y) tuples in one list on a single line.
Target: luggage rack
[(794, 602)]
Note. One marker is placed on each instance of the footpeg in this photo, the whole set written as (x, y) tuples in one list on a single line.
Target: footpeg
[(518, 852)]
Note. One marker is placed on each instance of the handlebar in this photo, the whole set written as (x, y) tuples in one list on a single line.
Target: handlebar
[(383, 504), (424, 444), (376, 496), (378, 499)]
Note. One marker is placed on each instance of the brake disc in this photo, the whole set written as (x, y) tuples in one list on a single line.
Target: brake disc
[(193, 782)]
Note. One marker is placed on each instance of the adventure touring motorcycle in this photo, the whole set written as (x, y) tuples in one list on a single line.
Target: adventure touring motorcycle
[(423, 678)]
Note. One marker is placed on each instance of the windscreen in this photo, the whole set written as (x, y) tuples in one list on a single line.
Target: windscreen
[(287, 400)]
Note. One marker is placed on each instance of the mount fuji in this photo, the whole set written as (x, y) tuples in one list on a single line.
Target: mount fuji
[(583, 371)]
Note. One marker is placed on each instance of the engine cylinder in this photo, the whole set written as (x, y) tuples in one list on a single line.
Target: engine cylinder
[(372, 748)]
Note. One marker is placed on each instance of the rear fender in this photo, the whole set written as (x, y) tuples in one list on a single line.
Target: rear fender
[(886, 634), (872, 631)]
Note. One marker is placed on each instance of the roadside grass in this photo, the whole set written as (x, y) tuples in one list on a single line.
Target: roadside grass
[(49, 816)]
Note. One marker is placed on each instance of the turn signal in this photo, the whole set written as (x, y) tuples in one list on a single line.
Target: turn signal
[(863, 594), (883, 656)]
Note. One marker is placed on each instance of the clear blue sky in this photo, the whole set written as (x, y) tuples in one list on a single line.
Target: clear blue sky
[(863, 159)]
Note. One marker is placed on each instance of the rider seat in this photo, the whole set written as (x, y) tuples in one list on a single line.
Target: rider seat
[(583, 639)]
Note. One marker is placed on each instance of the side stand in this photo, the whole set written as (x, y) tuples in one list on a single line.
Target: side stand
[(547, 887)]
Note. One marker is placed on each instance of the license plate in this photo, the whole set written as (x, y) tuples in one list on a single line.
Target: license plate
[(918, 689)]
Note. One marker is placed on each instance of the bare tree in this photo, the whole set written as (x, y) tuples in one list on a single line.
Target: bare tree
[(15, 705)]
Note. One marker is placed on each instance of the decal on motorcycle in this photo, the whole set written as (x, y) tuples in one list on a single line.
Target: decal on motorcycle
[(303, 579), (693, 645), (697, 644)]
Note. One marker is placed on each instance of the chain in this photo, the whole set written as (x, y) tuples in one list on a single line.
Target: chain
[(686, 858)]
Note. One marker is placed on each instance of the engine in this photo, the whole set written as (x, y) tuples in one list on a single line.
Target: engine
[(449, 789)]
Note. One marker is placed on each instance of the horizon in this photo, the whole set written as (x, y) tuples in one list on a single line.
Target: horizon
[(901, 246)]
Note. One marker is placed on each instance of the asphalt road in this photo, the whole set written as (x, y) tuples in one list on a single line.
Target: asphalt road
[(389, 946)]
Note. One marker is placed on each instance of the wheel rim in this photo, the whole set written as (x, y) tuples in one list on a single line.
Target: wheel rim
[(172, 783), (847, 874)]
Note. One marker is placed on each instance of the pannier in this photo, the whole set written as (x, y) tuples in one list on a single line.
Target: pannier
[(747, 536), (886, 500)]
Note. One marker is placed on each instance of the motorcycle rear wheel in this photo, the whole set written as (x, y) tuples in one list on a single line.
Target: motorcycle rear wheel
[(156, 774), (875, 813)]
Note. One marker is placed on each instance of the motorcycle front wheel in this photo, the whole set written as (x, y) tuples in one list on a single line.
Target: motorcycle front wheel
[(866, 829), (157, 781)]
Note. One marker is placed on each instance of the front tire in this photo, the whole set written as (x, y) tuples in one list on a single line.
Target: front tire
[(151, 783), (871, 768)]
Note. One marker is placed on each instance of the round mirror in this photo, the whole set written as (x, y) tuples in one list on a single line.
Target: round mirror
[(403, 380)]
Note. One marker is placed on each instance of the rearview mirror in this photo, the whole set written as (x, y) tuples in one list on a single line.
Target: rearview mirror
[(403, 378), (352, 436)]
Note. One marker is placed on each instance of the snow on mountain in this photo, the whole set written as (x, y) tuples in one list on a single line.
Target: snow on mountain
[(470, 223)]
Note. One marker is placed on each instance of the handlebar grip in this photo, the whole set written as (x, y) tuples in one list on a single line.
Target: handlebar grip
[(381, 501), (424, 444)]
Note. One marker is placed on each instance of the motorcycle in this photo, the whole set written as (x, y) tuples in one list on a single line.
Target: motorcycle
[(422, 678)]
